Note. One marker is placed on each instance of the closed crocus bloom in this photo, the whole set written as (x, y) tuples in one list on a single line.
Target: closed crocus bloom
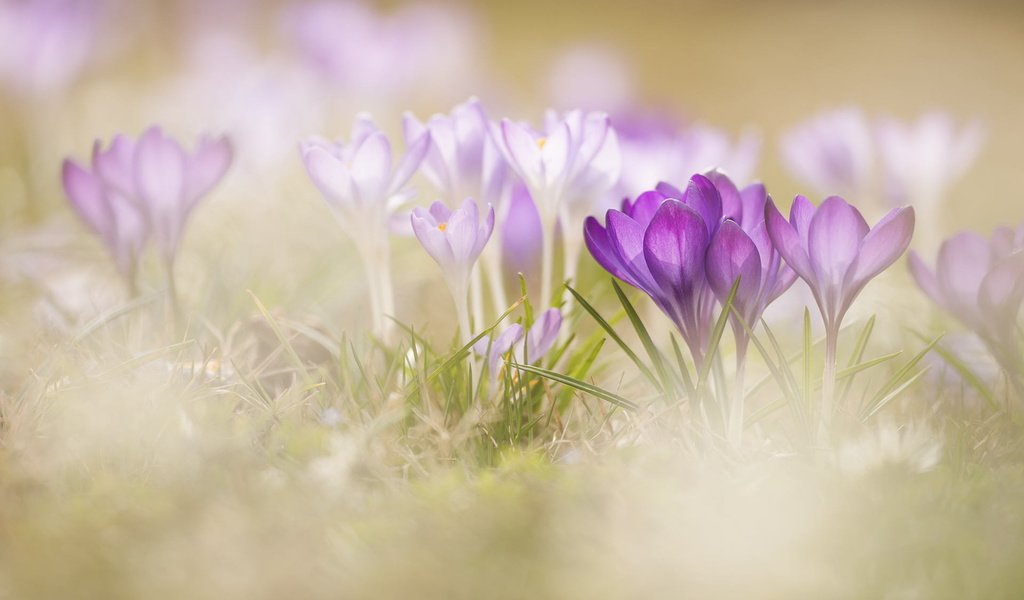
[(831, 152), (463, 161), (455, 239), (521, 235), (538, 341), (135, 190), (980, 282), (170, 181), (358, 178), (833, 249), (658, 244)]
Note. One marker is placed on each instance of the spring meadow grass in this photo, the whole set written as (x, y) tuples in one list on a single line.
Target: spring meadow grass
[(273, 372)]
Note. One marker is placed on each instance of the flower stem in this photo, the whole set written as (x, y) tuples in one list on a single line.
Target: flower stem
[(735, 433), (549, 224), (387, 293), (828, 377)]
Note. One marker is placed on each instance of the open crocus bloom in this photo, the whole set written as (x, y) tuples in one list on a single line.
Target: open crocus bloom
[(658, 244), (833, 249), (137, 189), (981, 283), (454, 238), (832, 152), (539, 339), (357, 179)]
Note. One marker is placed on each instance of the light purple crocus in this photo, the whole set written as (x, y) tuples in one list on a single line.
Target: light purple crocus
[(538, 341), (575, 159), (454, 239), (981, 283), (832, 152), (363, 188), (135, 190), (463, 161), (46, 43), (658, 244), (833, 249)]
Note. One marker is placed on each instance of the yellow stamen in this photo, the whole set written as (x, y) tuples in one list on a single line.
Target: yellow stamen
[(541, 142), (442, 226)]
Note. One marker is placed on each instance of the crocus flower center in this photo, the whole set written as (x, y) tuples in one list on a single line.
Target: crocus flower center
[(442, 226), (541, 142)]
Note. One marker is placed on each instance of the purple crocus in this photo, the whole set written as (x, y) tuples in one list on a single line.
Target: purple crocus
[(832, 152), (658, 244), (538, 341), (981, 283), (833, 249), (575, 158), (363, 190), (455, 239), (135, 190)]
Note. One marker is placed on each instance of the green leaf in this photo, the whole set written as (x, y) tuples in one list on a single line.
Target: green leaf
[(965, 372), (645, 337), (716, 334), (582, 386)]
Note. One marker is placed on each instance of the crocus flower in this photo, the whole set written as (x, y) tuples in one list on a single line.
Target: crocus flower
[(574, 159), (539, 339), (741, 249), (832, 152), (454, 239), (521, 235), (463, 161), (658, 244), (922, 159), (46, 43), (981, 283), (363, 190), (134, 190), (833, 249), (655, 150)]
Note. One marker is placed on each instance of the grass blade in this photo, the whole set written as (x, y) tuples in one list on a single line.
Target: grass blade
[(582, 386)]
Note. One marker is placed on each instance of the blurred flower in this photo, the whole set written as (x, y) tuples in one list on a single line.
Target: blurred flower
[(981, 283), (455, 239), (922, 159), (417, 48), (833, 249), (591, 76), (46, 43), (832, 152), (656, 150), (539, 339), (521, 235), (134, 190), (356, 178), (914, 448), (463, 160), (658, 244), (360, 186)]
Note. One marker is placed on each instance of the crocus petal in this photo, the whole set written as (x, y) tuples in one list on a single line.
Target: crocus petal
[(160, 181), (115, 165), (643, 209), (627, 241), (206, 166), (703, 197), (542, 334), (522, 235), (1002, 289), (885, 243), (524, 154), (431, 237), (963, 261), (669, 191), (674, 247), (786, 240), (732, 204), (601, 248), (371, 168), (329, 174), (485, 231), (925, 278), (731, 255), (501, 346), (834, 239), (414, 155), (85, 192), (461, 232)]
